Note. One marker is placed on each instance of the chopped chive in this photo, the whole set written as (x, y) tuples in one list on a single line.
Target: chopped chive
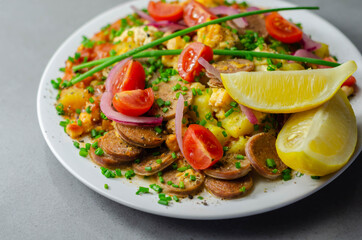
[(233, 104), (286, 174), (76, 144), (161, 179), (148, 169), (95, 144), (163, 202), (174, 166), (270, 163), (203, 122), (129, 174), (175, 185), (106, 186), (193, 90), (155, 88), (90, 89), (99, 151), (156, 153), (173, 154), (88, 109), (240, 157), (159, 161), (78, 111), (142, 190), (275, 170), (315, 177), (200, 197), (184, 88), (224, 134), (165, 109), (103, 116), (182, 169), (219, 124), (192, 177), (225, 149), (228, 113), (118, 172), (238, 165), (91, 100), (186, 38), (156, 188), (243, 189), (158, 129), (87, 146), (182, 185), (256, 127), (79, 122), (83, 153), (175, 198), (167, 103), (137, 160), (186, 103), (169, 182), (199, 91)]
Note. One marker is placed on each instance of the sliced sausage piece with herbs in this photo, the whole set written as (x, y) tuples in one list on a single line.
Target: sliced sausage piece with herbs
[(144, 137), (166, 98), (231, 166), (229, 189), (261, 151), (230, 66), (154, 162), (182, 181), (113, 145)]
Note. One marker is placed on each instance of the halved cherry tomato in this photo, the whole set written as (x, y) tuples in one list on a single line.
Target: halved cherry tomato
[(134, 102), (196, 13), (165, 11), (188, 65), (349, 81), (132, 76), (281, 29), (201, 148)]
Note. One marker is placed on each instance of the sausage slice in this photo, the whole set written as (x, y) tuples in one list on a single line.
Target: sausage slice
[(229, 189), (230, 66), (258, 149), (229, 167), (256, 23), (116, 147), (144, 137), (167, 92), (152, 164), (192, 182)]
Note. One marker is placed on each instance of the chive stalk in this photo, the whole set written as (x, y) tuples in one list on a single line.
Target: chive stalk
[(176, 34)]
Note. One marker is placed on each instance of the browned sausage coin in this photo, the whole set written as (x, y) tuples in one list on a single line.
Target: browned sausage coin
[(182, 183), (229, 167), (261, 151), (229, 189), (144, 137), (167, 93), (151, 164)]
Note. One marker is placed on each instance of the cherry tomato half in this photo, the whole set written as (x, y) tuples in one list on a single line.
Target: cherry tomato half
[(201, 147), (281, 29), (188, 65), (133, 102), (132, 76), (165, 11), (349, 81), (196, 13)]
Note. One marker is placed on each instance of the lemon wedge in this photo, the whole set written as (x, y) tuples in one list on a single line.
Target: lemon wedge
[(286, 91), (319, 141)]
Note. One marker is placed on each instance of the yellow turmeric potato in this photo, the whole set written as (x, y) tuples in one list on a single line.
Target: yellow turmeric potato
[(220, 101), (217, 131), (86, 119), (175, 43), (237, 124), (203, 107), (217, 37), (74, 130), (238, 146), (323, 51), (73, 98)]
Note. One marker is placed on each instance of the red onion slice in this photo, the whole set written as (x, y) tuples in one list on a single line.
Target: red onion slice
[(113, 73), (224, 10), (253, 8), (305, 53), (249, 114), (211, 72), (167, 26), (178, 121), (107, 109), (143, 14), (309, 44)]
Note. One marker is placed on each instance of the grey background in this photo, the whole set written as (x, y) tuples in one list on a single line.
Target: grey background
[(39, 199)]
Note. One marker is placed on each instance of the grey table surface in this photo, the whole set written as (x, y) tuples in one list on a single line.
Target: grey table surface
[(40, 199)]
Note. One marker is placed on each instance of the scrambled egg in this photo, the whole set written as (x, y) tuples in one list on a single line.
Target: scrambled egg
[(138, 35), (220, 102)]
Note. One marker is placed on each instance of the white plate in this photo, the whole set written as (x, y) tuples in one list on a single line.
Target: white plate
[(265, 196)]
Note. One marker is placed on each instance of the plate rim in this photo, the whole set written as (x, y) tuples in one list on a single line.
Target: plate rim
[(147, 209)]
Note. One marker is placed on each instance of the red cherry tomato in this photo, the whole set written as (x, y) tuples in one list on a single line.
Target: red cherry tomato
[(188, 65), (349, 81), (201, 147), (132, 76), (196, 13), (133, 102), (282, 30), (165, 11)]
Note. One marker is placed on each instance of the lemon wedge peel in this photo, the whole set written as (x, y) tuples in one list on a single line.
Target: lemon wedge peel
[(319, 141), (286, 91)]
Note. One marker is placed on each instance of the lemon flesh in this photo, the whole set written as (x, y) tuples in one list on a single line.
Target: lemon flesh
[(286, 91), (319, 141)]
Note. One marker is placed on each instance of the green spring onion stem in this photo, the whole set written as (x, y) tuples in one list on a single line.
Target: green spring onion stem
[(176, 34), (235, 53)]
